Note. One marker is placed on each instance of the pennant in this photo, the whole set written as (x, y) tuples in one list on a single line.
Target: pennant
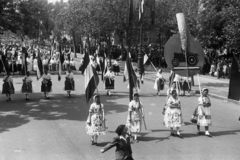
[(141, 6), (182, 27), (39, 66), (91, 78)]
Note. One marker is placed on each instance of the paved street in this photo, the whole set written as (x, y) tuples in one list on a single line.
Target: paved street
[(55, 129)]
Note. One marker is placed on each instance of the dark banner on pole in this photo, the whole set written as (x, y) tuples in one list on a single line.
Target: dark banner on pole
[(234, 86)]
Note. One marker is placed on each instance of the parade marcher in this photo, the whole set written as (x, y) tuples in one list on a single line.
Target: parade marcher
[(72, 65), (69, 83), (96, 120), (109, 80), (202, 112), (46, 84), (159, 82), (122, 144), (185, 85), (66, 64), (8, 87), (116, 68), (135, 116), (212, 69), (19, 65), (27, 85), (173, 113)]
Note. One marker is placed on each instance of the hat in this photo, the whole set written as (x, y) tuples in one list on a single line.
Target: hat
[(171, 90), (96, 96), (204, 89), (160, 70), (135, 94)]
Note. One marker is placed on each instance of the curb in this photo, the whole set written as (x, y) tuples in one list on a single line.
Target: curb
[(196, 93)]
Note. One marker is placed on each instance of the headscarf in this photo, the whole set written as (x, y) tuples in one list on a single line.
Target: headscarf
[(204, 89)]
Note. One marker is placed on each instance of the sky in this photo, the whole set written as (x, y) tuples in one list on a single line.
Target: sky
[(53, 1)]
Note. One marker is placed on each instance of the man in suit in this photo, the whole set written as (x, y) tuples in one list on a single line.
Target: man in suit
[(122, 144)]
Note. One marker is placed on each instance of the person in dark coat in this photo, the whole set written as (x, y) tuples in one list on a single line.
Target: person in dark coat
[(122, 144)]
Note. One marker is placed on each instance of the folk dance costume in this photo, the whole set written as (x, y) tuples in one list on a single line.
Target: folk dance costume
[(109, 81), (135, 115), (95, 125), (72, 65), (46, 84), (172, 113), (69, 83), (202, 112), (116, 68), (8, 87), (159, 82), (27, 86)]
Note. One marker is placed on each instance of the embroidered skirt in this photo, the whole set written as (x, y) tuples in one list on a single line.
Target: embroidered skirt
[(69, 85), (27, 88), (173, 117), (97, 126)]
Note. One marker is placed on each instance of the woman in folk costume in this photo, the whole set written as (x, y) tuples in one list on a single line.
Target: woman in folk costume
[(8, 87), (69, 83), (72, 65), (27, 85), (173, 113), (109, 80), (46, 84), (135, 115), (96, 120), (159, 82), (202, 112), (116, 68)]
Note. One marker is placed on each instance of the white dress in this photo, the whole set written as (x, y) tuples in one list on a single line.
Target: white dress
[(173, 114), (203, 108)]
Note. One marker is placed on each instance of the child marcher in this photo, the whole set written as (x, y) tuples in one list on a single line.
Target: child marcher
[(27, 85), (8, 87), (159, 82), (202, 115)]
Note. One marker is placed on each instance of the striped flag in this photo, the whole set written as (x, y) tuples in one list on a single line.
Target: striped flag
[(91, 77), (130, 75), (61, 60), (39, 66), (145, 58)]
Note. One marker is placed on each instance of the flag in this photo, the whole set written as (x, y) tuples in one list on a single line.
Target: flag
[(24, 60), (61, 60), (151, 5), (234, 85), (130, 75), (39, 66), (104, 66), (145, 58), (133, 4), (182, 27), (91, 77)]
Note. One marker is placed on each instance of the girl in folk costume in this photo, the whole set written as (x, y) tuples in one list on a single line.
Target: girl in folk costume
[(46, 84), (96, 120), (202, 112), (109, 80), (8, 87), (173, 113), (135, 115), (116, 68), (159, 82), (72, 65), (69, 83), (27, 85)]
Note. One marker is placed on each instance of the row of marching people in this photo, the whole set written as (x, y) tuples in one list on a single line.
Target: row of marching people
[(135, 119), (46, 86)]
